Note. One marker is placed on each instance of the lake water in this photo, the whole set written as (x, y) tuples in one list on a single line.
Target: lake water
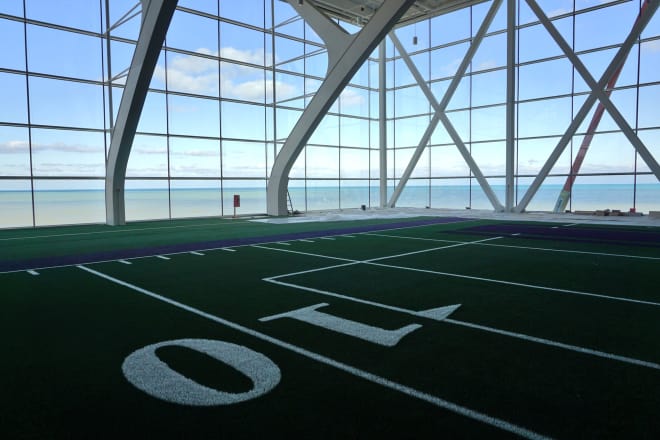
[(54, 207)]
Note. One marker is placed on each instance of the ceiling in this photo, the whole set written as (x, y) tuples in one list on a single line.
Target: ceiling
[(359, 12)]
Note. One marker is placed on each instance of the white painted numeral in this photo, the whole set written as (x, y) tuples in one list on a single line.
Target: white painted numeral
[(310, 315), (146, 371)]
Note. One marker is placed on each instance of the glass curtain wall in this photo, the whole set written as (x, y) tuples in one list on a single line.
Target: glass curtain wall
[(224, 98), (549, 92)]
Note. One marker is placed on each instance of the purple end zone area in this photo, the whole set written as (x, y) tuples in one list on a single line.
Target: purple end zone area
[(69, 260), (605, 235)]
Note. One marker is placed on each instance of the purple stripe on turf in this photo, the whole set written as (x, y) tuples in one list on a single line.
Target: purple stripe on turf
[(69, 260), (648, 238)]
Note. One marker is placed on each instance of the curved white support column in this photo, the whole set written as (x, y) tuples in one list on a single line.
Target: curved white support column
[(156, 17), (346, 53)]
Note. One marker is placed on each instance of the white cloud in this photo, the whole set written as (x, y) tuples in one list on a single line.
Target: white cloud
[(350, 97), (143, 149), (651, 46), (10, 147), (488, 64), (199, 75)]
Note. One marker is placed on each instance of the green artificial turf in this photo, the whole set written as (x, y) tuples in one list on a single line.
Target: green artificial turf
[(68, 332)]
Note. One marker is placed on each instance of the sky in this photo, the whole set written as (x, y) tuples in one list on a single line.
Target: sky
[(240, 81)]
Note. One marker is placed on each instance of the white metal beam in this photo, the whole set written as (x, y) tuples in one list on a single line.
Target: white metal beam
[(597, 93), (346, 54), (382, 122), (510, 104), (156, 18)]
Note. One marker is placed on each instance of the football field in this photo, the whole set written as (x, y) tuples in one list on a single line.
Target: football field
[(433, 327)]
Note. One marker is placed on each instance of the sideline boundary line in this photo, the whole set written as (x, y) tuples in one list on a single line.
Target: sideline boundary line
[(379, 380)]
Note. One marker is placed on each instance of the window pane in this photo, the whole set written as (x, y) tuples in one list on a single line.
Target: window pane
[(491, 53), (243, 159), (148, 157), (354, 163), (488, 123), (192, 74), (489, 88), (243, 121), (65, 103), (447, 161), (327, 133), (194, 116), (14, 152), (245, 11), (147, 200), (204, 39), (59, 202), (13, 44), (322, 162), (68, 153), (252, 193), (617, 19), (247, 84), (16, 202), (194, 157), (64, 53), (354, 194), (550, 78), (454, 193), (450, 27), (322, 194), (13, 91), (242, 44), (650, 62), (195, 198), (354, 132), (79, 14), (543, 118), (536, 43)]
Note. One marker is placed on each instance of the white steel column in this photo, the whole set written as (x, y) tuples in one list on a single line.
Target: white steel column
[(156, 17), (346, 53), (382, 121), (510, 103), (597, 93), (440, 116)]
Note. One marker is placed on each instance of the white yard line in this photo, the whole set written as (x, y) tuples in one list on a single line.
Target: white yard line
[(33, 272), (379, 380), (522, 336), (124, 262), (162, 257), (228, 249), (196, 253)]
